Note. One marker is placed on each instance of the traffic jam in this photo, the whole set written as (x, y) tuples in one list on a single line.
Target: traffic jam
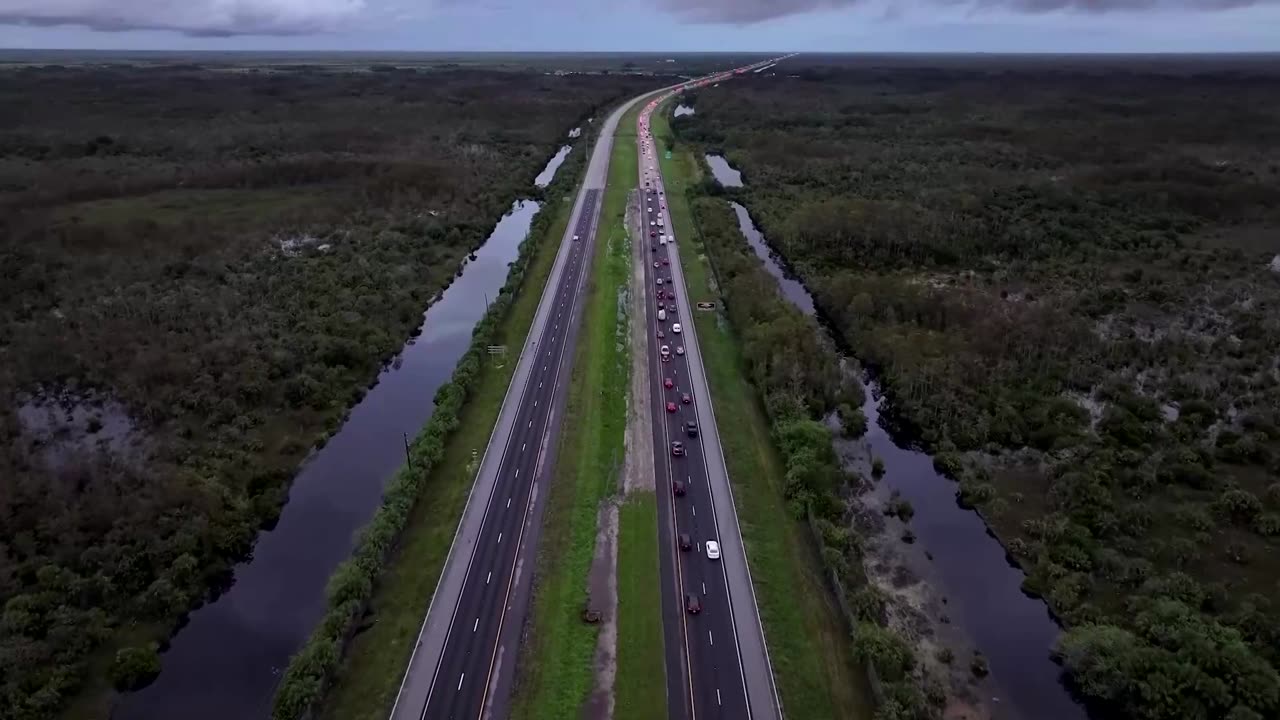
[(677, 398)]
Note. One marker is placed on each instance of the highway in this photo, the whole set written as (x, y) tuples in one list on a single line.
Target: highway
[(720, 649), (462, 664)]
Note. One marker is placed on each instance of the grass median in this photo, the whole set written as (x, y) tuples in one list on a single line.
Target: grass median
[(557, 658), (809, 647), (641, 686), (375, 659)]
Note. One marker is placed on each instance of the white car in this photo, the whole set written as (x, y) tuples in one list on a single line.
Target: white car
[(652, 223), (675, 328), (713, 550), (679, 349)]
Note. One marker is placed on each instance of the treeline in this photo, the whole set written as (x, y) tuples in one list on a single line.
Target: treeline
[(283, 249), (1061, 276), (796, 371)]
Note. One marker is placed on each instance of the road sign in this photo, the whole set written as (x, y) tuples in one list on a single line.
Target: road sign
[(668, 154)]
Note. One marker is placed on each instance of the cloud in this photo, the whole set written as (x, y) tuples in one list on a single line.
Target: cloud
[(746, 12), (196, 18)]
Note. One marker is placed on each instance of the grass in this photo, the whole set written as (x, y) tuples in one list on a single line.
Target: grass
[(376, 658), (809, 646), (556, 663), (640, 670)]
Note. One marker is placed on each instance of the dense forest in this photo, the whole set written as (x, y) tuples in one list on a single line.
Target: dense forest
[(1067, 277), (203, 268)]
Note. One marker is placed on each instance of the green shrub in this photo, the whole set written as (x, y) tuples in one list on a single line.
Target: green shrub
[(135, 667)]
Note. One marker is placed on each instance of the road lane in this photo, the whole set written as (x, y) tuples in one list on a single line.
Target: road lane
[(462, 663), (716, 685)]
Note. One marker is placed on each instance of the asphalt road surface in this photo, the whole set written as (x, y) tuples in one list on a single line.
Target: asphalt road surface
[(462, 664), (720, 650)]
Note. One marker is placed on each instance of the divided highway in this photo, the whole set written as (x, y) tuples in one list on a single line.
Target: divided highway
[(712, 629), (462, 665)]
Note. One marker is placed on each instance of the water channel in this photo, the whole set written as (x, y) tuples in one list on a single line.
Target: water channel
[(984, 592), (724, 173), (226, 661), (549, 172)]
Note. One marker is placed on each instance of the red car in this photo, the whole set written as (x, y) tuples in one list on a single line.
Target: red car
[(664, 262), (653, 233), (668, 384), (671, 407), (686, 399)]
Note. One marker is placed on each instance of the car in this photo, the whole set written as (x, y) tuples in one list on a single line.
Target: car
[(661, 306), (653, 248), (655, 263), (659, 281), (686, 542), (652, 223), (668, 384), (692, 603), (661, 334), (684, 398), (665, 351), (653, 234), (679, 349), (665, 261), (661, 294), (713, 550), (691, 428), (677, 487), (677, 448), (671, 407), (675, 328), (575, 237)]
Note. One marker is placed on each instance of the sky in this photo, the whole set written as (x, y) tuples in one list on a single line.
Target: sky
[(627, 25)]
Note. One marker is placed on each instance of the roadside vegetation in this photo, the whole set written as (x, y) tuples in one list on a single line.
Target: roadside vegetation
[(556, 667), (769, 373), (1067, 279), (221, 262)]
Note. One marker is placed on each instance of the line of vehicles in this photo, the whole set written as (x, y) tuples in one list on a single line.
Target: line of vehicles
[(660, 243)]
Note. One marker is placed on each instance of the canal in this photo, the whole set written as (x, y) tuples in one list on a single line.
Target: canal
[(984, 595), (226, 661)]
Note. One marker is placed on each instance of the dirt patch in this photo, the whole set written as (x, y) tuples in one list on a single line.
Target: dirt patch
[(637, 474), (637, 470), (603, 588)]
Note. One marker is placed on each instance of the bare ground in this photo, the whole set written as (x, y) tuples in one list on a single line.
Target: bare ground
[(637, 473)]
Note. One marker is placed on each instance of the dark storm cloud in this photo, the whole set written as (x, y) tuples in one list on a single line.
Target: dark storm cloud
[(745, 12), (197, 18)]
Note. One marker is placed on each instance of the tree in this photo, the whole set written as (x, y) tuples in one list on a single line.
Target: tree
[(135, 667)]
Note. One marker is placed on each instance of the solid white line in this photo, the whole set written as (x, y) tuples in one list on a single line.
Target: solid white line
[(460, 680)]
